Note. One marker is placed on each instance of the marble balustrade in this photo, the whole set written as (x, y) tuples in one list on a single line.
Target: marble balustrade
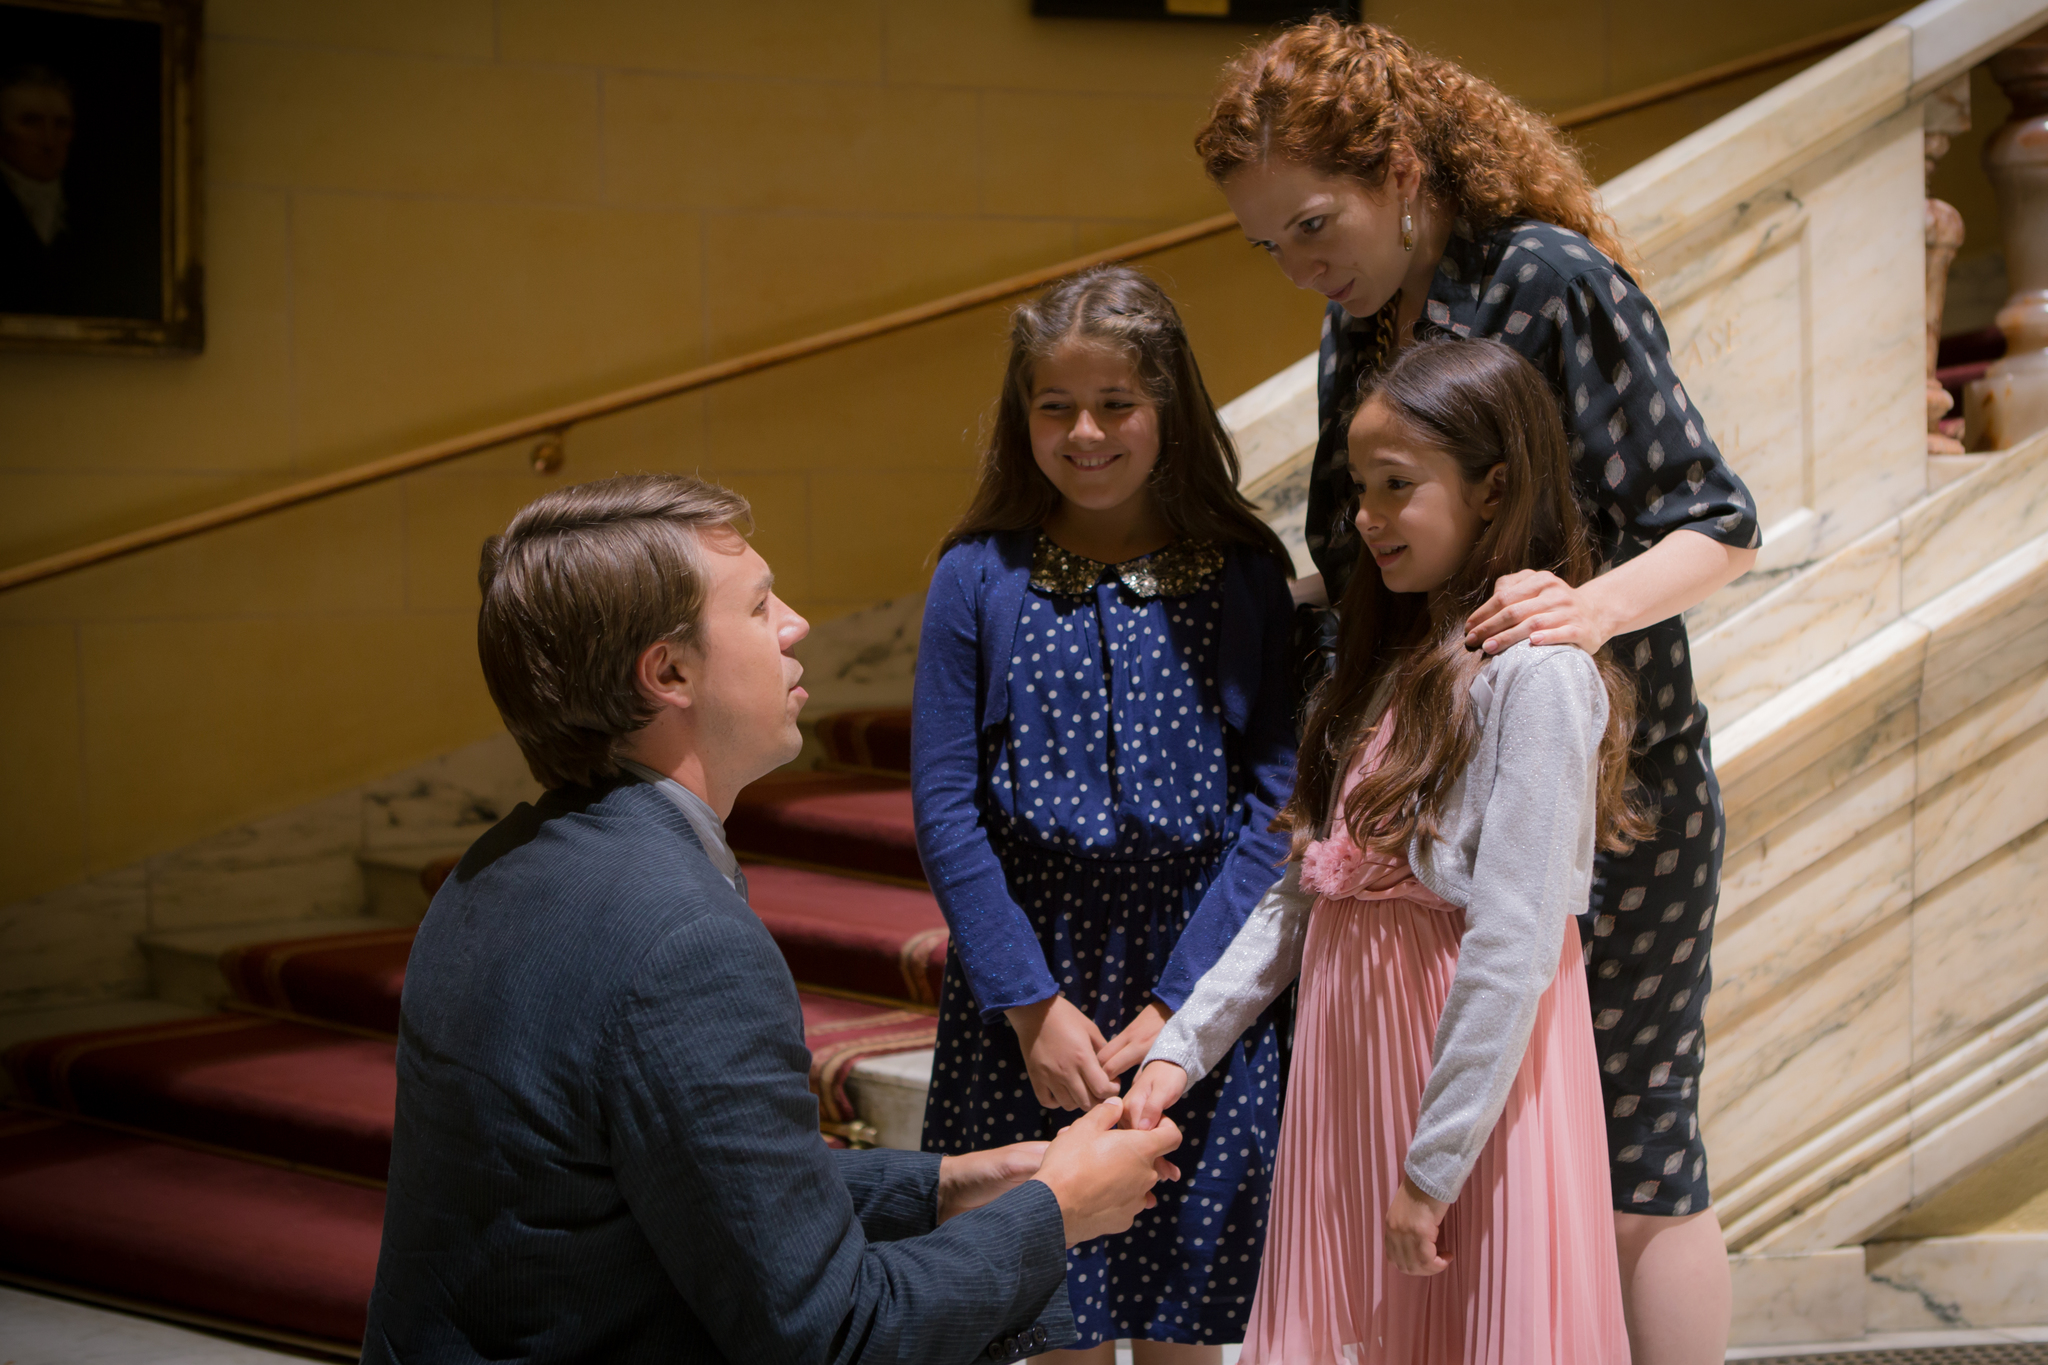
[(1880, 1012)]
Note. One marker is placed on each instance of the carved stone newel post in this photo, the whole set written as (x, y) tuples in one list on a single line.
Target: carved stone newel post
[(1947, 114), (2010, 402)]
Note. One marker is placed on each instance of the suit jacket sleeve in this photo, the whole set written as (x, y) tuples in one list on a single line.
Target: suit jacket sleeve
[(714, 1142), (1265, 753), (998, 948), (895, 1194)]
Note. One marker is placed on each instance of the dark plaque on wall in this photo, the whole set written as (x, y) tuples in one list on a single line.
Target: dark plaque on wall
[(99, 196), (1262, 13)]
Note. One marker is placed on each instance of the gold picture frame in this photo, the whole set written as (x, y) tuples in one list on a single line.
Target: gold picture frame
[(99, 177)]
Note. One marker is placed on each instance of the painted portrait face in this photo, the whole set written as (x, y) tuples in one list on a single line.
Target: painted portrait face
[(1418, 517), (35, 129), (1094, 430), (1331, 234)]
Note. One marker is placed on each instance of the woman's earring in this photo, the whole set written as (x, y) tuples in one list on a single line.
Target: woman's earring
[(1407, 230)]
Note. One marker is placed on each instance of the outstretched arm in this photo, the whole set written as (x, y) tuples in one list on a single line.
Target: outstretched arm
[(1261, 962), (716, 1149), (1265, 752), (1676, 574)]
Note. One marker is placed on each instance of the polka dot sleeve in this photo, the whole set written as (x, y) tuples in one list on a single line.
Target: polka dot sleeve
[(994, 938)]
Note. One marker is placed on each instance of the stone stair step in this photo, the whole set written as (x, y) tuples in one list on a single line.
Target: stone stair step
[(889, 1092), (392, 889), (184, 964)]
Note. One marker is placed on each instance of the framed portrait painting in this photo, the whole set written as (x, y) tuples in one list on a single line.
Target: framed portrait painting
[(1260, 13), (99, 188)]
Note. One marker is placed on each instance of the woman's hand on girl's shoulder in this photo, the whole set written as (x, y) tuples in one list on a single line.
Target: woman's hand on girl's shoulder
[(1538, 606), (1129, 1047), (1061, 1046), (1414, 1222)]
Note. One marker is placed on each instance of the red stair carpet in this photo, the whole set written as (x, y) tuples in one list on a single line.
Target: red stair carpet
[(346, 978), (840, 934), (846, 822), (867, 741), (295, 1092), (272, 1250)]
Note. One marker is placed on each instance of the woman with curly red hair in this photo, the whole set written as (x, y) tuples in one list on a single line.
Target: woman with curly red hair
[(1421, 201)]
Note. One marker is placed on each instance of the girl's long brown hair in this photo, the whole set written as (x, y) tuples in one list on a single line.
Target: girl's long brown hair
[(1342, 97), (1484, 405), (1195, 481)]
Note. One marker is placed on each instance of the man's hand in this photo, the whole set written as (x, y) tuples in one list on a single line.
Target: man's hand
[(1129, 1047), (1102, 1175), (1413, 1220), (975, 1178), (1060, 1045), (1158, 1088)]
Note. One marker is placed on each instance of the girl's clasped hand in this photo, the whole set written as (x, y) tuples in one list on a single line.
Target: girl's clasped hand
[(1062, 1054)]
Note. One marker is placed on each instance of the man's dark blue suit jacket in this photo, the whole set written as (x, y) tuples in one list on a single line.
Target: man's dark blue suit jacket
[(606, 1149)]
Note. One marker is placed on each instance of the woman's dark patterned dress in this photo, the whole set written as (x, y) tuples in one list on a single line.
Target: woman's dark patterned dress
[(1116, 793), (1645, 466)]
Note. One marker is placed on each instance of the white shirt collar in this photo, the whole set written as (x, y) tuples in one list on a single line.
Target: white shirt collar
[(41, 200), (709, 829)]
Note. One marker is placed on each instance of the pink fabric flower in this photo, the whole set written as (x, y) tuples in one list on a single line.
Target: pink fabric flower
[(1335, 867)]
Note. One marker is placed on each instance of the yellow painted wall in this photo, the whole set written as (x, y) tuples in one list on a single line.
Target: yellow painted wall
[(426, 215)]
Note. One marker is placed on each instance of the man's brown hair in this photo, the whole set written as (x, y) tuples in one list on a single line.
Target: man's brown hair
[(581, 582)]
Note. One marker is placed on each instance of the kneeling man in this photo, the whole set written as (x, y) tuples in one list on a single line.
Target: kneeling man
[(606, 1148)]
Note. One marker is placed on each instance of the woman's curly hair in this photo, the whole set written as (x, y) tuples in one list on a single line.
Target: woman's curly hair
[(1342, 97)]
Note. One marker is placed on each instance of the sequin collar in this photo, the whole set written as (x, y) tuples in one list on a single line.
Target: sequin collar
[(1178, 569)]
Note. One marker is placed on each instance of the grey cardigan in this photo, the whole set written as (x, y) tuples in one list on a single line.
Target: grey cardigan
[(1515, 853)]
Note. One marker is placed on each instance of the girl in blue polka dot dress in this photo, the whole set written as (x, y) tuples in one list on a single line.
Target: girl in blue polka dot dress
[(1103, 733)]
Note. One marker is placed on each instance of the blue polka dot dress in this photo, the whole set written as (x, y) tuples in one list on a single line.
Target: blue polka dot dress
[(1114, 793)]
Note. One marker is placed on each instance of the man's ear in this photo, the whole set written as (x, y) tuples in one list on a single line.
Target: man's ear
[(1495, 486), (666, 675)]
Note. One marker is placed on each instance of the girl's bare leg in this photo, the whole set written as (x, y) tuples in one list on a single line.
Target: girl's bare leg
[(1105, 1354), (1174, 1353), (1674, 1287), (1142, 1353)]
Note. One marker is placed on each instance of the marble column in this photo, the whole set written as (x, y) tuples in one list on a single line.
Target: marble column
[(2011, 401), (1947, 114)]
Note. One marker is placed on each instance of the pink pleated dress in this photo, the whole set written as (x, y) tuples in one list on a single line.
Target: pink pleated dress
[(1530, 1238)]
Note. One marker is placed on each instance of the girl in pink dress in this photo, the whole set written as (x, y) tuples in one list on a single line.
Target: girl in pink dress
[(1441, 1191)]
